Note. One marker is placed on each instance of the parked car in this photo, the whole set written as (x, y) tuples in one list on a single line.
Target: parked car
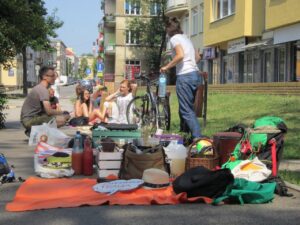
[(63, 80)]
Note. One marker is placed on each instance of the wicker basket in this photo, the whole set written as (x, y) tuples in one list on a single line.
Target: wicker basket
[(210, 162)]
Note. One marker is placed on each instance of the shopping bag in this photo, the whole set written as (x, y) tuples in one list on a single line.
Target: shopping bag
[(52, 162), (51, 134), (252, 170)]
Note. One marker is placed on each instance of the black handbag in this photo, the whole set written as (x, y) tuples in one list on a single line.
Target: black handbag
[(79, 121)]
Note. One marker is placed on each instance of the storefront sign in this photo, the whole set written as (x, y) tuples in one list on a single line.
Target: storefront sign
[(236, 45)]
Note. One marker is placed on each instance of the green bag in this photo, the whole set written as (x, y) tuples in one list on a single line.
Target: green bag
[(263, 130), (244, 191)]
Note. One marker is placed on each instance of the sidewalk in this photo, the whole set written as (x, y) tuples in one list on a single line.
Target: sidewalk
[(14, 143)]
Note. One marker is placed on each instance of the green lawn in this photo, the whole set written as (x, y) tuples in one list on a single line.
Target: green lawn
[(226, 110), (291, 176)]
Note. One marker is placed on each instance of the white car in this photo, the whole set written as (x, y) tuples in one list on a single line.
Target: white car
[(63, 80)]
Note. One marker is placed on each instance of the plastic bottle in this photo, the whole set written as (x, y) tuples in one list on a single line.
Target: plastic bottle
[(87, 158), (162, 85), (77, 154)]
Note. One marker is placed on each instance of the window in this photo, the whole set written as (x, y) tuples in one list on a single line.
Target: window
[(195, 21), (185, 25), (132, 37), (248, 69), (154, 8), (201, 17), (132, 7), (281, 64), (223, 8), (133, 68)]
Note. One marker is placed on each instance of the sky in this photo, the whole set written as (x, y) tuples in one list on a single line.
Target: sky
[(81, 18)]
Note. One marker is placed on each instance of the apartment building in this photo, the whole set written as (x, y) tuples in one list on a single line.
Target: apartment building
[(59, 56), (72, 63), (123, 54), (12, 77), (252, 41)]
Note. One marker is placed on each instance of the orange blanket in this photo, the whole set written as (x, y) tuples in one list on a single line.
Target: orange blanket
[(36, 193)]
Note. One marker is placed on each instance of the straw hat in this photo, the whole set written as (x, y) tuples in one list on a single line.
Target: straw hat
[(155, 178)]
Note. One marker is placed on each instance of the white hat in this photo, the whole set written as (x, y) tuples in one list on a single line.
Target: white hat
[(155, 178)]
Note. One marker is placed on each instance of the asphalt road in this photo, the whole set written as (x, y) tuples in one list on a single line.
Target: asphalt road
[(13, 144)]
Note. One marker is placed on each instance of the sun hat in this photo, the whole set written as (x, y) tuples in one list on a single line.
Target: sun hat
[(155, 178)]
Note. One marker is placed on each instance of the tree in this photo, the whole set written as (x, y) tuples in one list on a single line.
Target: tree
[(152, 34), (94, 67), (83, 67), (25, 23)]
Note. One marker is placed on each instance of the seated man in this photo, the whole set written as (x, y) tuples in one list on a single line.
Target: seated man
[(116, 103), (36, 108)]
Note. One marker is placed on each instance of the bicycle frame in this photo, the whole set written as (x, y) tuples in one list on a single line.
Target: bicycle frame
[(150, 95)]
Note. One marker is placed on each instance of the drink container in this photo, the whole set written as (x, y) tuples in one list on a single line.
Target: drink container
[(77, 154)]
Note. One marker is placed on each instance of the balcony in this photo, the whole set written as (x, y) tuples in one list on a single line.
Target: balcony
[(110, 49), (109, 77), (109, 20), (176, 7)]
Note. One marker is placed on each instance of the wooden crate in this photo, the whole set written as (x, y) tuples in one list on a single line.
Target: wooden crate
[(109, 163)]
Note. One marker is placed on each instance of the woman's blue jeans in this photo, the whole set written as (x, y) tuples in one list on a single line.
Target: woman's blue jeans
[(186, 87)]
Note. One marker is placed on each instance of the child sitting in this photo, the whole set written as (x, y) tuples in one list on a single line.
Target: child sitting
[(54, 102)]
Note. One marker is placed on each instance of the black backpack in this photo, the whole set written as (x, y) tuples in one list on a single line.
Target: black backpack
[(200, 181)]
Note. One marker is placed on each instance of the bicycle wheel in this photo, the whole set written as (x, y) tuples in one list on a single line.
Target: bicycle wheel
[(163, 113), (139, 112)]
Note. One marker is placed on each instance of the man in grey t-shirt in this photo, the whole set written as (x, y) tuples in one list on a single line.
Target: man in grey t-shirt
[(36, 108)]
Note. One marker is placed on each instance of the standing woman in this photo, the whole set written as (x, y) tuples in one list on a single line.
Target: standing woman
[(185, 59)]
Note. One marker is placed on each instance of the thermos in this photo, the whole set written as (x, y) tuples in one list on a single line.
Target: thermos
[(77, 154), (87, 158), (162, 85)]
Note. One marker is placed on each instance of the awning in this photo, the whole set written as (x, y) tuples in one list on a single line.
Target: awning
[(257, 44)]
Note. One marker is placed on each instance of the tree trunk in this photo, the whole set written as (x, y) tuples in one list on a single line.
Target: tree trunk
[(163, 37), (25, 89)]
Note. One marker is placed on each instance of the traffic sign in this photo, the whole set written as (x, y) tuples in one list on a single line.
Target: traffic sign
[(88, 71)]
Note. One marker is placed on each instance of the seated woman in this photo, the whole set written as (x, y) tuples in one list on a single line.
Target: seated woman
[(84, 107), (116, 103)]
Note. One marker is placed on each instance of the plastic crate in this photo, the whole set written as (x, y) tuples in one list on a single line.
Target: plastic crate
[(116, 133), (119, 136), (166, 138)]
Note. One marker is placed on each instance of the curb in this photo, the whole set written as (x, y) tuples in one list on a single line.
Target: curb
[(292, 186)]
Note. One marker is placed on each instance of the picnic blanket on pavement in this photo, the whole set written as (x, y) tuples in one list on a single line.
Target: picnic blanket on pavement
[(37, 193)]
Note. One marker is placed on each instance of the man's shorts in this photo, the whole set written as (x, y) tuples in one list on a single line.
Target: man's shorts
[(36, 120)]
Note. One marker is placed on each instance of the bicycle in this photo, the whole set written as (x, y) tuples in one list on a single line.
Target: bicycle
[(149, 109)]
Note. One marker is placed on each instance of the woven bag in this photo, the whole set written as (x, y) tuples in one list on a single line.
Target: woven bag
[(208, 161)]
